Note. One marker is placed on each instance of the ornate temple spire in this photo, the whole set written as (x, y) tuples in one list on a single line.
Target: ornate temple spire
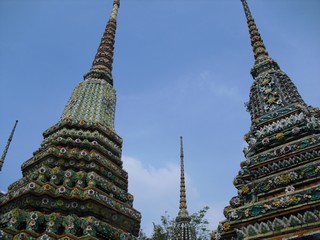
[(7, 146), (263, 63), (102, 63), (284, 139), (94, 99), (183, 200), (272, 89), (183, 229), (74, 186), (257, 44)]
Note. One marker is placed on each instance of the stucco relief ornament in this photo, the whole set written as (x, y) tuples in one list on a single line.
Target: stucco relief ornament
[(252, 142), (45, 201), (307, 196), (34, 216), (61, 189), (265, 141), (268, 90), (289, 189), (32, 223), (267, 207), (285, 201), (293, 175), (42, 170), (233, 214), (235, 201), (295, 130), (279, 136)]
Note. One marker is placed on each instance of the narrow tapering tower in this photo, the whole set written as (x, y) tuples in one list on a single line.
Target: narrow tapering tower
[(183, 213), (278, 184), (94, 100), (74, 186), (5, 151), (183, 228)]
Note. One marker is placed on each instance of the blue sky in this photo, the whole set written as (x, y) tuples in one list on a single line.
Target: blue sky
[(182, 67)]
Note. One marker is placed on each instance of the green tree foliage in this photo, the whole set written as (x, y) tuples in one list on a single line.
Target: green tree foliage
[(142, 235), (200, 224), (164, 230)]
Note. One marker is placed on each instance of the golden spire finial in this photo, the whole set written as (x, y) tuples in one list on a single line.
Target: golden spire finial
[(102, 63), (257, 44)]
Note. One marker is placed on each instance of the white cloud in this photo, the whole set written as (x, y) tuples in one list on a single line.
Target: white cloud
[(215, 215), (199, 87), (155, 190), (157, 182), (217, 86)]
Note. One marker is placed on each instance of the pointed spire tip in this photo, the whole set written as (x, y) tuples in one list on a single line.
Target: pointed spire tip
[(7, 146), (116, 2), (257, 44), (103, 61), (183, 201)]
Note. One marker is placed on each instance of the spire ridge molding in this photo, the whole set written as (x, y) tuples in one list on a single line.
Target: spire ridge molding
[(257, 44), (183, 213), (102, 64), (93, 101), (5, 151), (272, 91)]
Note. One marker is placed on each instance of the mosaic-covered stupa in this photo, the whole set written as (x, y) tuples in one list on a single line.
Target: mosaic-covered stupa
[(183, 229), (74, 186), (279, 181)]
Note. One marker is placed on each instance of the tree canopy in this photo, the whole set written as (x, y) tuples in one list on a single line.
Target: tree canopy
[(164, 230)]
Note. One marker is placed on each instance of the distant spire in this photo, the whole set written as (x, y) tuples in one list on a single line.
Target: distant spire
[(102, 63), (257, 44), (183, 229), (7, 146), (183, 200)]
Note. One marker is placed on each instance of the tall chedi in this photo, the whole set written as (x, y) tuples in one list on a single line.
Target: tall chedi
[(279, 181), (183, 229), (74, 186)]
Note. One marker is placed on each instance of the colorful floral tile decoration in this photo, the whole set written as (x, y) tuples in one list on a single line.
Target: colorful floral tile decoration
[(279, 181), (74, 186)]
